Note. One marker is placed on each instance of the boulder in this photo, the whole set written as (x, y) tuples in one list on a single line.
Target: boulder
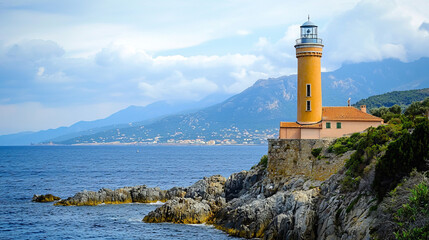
[(286, 214), (181, 210), (45, 198), (207, 188)]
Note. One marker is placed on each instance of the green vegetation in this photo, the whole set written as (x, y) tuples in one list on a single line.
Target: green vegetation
[(409, 151), (263, 162), (316, 152), (353, 203), (410, 217), (395, 148), (387, 113), (401, 98), (415, 109), (344, 144)]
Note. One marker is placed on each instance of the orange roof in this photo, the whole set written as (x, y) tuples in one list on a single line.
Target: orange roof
[(347, 114), (296, 125)]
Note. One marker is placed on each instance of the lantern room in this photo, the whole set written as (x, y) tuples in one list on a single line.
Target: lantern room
[(309, 33)]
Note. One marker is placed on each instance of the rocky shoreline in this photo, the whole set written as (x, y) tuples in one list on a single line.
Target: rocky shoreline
[(249, 204)]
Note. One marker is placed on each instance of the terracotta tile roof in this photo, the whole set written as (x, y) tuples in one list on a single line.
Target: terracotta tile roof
[(296, 125), (347, 114)]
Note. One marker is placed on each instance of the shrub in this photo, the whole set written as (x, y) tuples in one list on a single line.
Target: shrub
[(316, 152), (264, 161), (396, 109), (407, 152), (379, 111), (349, 183), (344, 144), (409, 215), (395, 121)]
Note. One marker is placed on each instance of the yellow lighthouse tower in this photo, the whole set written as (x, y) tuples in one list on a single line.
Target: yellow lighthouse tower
[(313, 120), (309, 52)]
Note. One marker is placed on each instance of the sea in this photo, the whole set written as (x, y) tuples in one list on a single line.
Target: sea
[(66, 170)]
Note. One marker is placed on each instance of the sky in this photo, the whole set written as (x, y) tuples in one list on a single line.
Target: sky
[(66, 61)]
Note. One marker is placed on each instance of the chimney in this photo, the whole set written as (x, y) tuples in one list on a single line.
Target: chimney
[(363, 108), (348, 102)]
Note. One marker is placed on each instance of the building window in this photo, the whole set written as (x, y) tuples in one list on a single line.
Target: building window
[(308, 105), (338, 125), (308, 90), (328, 125)]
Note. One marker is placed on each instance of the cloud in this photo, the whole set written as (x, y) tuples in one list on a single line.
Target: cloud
[(424, 27), (177, 87), (40, 71), (376, 30), (243, 32), (89, 53), (34, 50)]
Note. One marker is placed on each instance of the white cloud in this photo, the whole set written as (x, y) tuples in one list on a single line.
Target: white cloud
[(40, 71), (375, 30), (87, 53), (177, 87), (243, 32)]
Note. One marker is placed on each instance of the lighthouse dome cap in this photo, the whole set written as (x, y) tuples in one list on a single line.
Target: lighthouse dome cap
[(309, 24)]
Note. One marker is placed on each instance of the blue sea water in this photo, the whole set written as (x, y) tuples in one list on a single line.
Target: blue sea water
[(66, 170)]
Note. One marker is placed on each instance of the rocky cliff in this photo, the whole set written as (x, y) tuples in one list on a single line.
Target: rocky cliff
[(314, 204), (270, 202)]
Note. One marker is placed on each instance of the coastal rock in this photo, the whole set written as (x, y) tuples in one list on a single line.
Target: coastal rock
[(143, 194), (140, 194), (104, 195), (240, 183), (207, 188), (281, 216), (181, 210), (198, 205), (45, 198)]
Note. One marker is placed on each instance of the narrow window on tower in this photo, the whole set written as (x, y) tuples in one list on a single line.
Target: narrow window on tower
[(308, 90), (308, 105)]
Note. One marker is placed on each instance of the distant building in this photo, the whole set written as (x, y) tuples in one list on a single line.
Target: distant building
[(313, 120)]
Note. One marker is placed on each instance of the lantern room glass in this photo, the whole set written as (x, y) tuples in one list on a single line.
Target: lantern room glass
[(308, 31)]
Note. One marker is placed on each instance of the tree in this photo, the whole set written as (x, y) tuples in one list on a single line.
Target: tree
[(396, 109)]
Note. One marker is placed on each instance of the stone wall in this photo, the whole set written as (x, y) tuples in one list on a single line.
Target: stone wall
[(290, 157)]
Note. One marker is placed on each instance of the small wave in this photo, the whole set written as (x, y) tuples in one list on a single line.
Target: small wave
[(135, 219), (202, 225), (157, 203)]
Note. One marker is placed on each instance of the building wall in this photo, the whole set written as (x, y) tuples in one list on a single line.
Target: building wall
[(289, 133), (310, 133), (309, 73), (347, 127), (291, 157)]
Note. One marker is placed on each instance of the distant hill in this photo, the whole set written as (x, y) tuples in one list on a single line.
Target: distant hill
[(250, 116), (120, 119), (254, 114), (402, 98)]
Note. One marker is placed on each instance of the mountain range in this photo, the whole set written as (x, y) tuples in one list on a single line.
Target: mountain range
[(248, 117)]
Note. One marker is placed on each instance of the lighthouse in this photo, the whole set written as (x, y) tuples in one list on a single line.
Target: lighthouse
[(314, 121), (309, 53)]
